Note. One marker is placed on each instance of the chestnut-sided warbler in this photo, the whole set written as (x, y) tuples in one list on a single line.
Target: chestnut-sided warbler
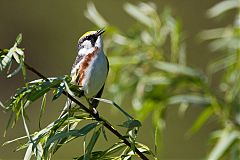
[(90, 68)]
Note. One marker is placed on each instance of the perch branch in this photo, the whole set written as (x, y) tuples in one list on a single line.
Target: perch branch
[(98, 118)]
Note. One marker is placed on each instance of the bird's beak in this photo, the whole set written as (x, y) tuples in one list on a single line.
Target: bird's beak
[(100, 31)]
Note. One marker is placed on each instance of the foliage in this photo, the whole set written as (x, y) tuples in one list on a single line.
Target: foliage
[(226, 40), (79, 121), (148, 64)]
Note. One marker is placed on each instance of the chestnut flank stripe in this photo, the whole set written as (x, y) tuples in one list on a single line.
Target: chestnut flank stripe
[(84, 65)]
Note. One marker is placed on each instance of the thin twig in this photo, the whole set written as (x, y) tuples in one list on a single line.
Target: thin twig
[(98, 118)]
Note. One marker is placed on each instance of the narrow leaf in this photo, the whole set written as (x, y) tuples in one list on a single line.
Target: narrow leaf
[(10, 119), (192, 99), (14, 140), (24, 73), (91, 144), (204, 116), (19, 38), (104, 133), (94, 16), (226, 139), (7, 58), (59, 91), (29, 152), (115, 105), (43, 88), (222, 7), (114, 149), (138, 14), (75, 133), (178, 69), (42, 109), (14, 72), (130, 124), (1, 105)]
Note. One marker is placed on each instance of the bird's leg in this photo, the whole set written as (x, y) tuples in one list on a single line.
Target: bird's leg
[(94, 110)]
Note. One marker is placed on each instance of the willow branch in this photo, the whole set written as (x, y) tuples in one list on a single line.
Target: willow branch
[(98, 118)]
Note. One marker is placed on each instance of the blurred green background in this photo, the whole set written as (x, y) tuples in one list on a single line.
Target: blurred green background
[(50, 33)]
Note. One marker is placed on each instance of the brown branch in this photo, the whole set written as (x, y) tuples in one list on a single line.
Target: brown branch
[(98, 118)]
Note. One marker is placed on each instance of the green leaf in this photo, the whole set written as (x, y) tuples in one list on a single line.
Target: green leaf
[(115, 105), (19, 38), (24, 73), (178, 69), (42, 135), (222, 7), (10, 119), (124, 60), (93, 15), (157, 137), (104, 133), (74, 133), (21, 147), (222, 63), (114, 149), (1, 105), (141, 147), (144, 149), (91, 144), (212, 34), (42, 109), (130, 124), (14, 140), (108, 153), (138, 14), (43, 88), (25, 124), (14, 72), (202, 118), (59, 91), (29, 152), (7, 58), (32, 148), (193, 99), (227, 138)]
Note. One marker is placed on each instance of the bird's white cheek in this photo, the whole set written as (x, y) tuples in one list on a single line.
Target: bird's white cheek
[(87, 44), (85, 51)]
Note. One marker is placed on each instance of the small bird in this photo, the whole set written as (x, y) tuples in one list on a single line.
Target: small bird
[(90, 68)]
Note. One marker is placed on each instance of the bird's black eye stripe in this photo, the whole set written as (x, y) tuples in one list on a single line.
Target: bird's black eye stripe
[(92, 38), (89, 37)]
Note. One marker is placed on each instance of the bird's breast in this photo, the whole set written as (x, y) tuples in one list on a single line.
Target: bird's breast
[(93, 72)]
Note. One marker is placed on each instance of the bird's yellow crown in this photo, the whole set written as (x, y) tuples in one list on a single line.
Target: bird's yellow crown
[(87, 33)]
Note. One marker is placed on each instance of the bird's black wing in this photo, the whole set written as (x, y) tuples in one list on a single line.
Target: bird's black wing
[(99, 94)]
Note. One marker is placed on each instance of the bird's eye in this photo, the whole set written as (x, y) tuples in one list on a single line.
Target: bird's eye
[(91, 38)]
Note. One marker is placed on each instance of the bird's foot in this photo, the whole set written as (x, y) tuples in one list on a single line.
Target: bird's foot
[(95, 112)]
